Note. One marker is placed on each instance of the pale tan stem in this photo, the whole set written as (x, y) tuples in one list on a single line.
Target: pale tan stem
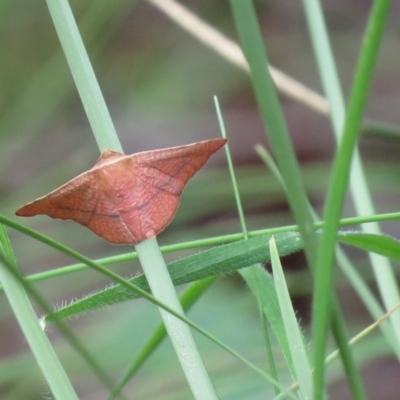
[(231, 51)]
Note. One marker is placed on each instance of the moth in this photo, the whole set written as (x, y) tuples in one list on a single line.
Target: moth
[(126, 199)]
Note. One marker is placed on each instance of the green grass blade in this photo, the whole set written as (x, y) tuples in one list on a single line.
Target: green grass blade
[(163, 289), (45, 356), (362, 198), (363, 202), (268, 344), (326, 63), (338, 185), (144, 294), (104, 132), (338, 324), (383, 245), (293, 332), (339, 332), (71, 338), (213, 262), (212, 241), (261, 284), (254, 269), (188, 297), (349, 270), (41, 97), (273, 119), (231, 170), (368, 298), (83, 74)]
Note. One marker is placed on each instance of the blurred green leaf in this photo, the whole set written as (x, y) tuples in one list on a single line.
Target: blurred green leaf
[(381, 244)]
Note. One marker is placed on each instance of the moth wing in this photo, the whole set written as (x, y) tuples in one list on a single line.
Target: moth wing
[(82, 201), (126, 199), (72, 200), (171, 168), (161, 176)]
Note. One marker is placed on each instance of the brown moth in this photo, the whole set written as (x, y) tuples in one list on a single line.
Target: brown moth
[(127, 199)]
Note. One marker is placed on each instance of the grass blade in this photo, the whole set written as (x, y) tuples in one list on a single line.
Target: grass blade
[(338, 185), (105, 134), (274, 122), (45, 356), (293, 332)]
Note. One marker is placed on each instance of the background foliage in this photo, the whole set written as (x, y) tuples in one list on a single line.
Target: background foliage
[(158, 82)]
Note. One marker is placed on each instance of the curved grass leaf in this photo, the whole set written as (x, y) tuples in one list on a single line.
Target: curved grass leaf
[(381, 244), (261, 283), (213, 262), (298, 349)]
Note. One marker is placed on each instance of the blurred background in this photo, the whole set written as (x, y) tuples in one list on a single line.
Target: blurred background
[(159, 82)]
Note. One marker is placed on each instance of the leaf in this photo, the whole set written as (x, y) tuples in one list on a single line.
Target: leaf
[(381, 244), (213, 262)]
